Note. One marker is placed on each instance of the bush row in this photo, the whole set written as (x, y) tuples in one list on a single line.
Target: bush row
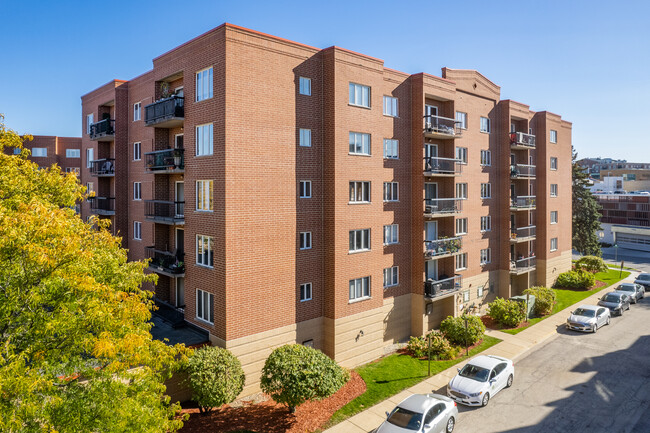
[(575, 279), (444, 343)]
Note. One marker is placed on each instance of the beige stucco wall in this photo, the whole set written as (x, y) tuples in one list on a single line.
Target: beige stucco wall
[(548, 270)]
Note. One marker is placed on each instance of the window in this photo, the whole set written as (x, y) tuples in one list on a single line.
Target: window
[(136, 111), (305, 240), (359, 95), (390, 106), (137, 151), (461, 226), (359, 288), (305, 189), (461, 190), (90, 189), (553, 163), (178, 141), (359, 240), (391, 191), (90, 156), (204, 306), (305, 137), (204, 195), (204, 84), (39, 151), (486, 157), (486, 190), (553, 244), (305, 86), (137, 230), (485, 124), (553, 217), (204, 254), (90, 119), (461, 154), (466, 296), (17, 151), (359, 143), (359, 192), (204, 139), (486, 223), (461, 119), (305, 292), (137, 191), (479, 292), (554, 190), (75, 170), (73, 153), (391, 148), (486, 256), (553, 136), (391, 234), (391, 277), (461, 261)]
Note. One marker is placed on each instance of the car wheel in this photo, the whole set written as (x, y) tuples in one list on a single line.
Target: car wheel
[(607, 320), (595, 328), (620, 313), (509, 383), (451, 423), (486, 399)]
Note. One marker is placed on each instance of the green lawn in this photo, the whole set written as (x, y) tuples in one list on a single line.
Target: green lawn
[(394, 373)]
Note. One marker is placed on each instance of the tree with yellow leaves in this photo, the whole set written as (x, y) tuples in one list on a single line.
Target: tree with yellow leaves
[(76, 353)]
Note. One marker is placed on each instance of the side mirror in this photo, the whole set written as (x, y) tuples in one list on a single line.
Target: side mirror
[(426, 427), (458, 369), (571, 312), (387, 414), (492, 380)]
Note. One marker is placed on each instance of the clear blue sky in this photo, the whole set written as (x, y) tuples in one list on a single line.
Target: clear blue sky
[(588, 61)]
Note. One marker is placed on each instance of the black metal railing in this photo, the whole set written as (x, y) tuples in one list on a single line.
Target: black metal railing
[(170, 262), (102, 128), (161, 210), (164, 109), (443, 286), (442, 125), (102, 167), (522, 170), (523, 232), (165, 160), (523, 265), (434, 164), (522, 139), (523, 202), (442, 205), (102, 204), (441, 247)]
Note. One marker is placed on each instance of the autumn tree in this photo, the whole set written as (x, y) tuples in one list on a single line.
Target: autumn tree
[(76, 353), (586, 213)]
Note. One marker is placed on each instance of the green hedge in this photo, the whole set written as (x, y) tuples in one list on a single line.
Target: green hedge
[(507, 312), (441, 349), (591, 264), (578, 279), (453, 328), (544, 299)]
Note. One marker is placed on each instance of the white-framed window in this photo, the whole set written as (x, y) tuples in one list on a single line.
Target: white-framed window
[(40, 152), (461, 190), (391, 148), (204, 306), (530, 131), (391, 191), (554, 190), (137, 151), (466, 296), (90, 188), (486, 157), (461, 154), (391, 234), (204, 139), (485, 124), (486, 256), (305, 137), (305, 240), (486, 190), (553, 217), (204, 194), (486, 223), (461, 226), (90, 119), (391, 276), (204, 84), (305, 86), (359, 95), (305, 292), (359, 192), (17, 151), (479, 292), (137, 191), (204, 253), (137, 111), (359, 288), (137, 230), (359, 240), (178, 141), (553, 136), (75, 170), (461, 118), (390, 106), (90, 156), (304, 189), (359, 143), (461, 261), (73, 153), (553, 244), (553, 163)]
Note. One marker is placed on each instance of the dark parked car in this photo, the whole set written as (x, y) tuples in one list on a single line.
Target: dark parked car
[(644, 280), (634, 291), (616, 302)]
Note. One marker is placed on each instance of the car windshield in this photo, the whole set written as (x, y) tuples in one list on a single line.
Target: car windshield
[(644, 277), (611, 298), (473, 372), (626, 288), (584, 312), (405, 418)]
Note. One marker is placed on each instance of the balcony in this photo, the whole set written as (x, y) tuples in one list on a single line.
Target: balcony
[(519, 140), (166, 113), (102, 205), (443, 287), (444, 247), (522, 171), (434, 166), (165, 212), (522, 234), (522, 202), (102, 167), (434, 207), (104, 130), (165, 262), (166, 161), (521, 266), (441, 127)]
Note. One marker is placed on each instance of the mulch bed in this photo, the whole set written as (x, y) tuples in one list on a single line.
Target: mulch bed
[(270, 417), (598, 285), (492, 324)]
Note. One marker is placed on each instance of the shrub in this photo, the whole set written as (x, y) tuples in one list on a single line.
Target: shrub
[(578, 279), (507, 312), (440, 346), (591, 264), (453, 328), (215, 376), (294, 373), (544, 299)]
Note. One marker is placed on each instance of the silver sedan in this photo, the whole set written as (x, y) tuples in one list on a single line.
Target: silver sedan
[(634, 291), (588, 318), (421, 413)]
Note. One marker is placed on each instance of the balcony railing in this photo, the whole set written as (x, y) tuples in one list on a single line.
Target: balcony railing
[(519, 139), (442, 166), (522, 202), (442, 247), (441, 127), (166, 113), (165, 262), (165, 161), (102, 205), (103, 130), (523, 265), (443, 286), (102, 167), (522, 234), (441, 206), (522, 171), (165, 212)]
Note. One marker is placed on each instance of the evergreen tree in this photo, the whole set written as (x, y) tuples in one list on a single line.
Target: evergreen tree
[(586, 213)]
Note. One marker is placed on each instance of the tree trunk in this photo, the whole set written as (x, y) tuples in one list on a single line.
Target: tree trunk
[(292, 409)]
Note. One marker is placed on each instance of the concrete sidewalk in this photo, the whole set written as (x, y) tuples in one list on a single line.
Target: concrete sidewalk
[(512, 347)]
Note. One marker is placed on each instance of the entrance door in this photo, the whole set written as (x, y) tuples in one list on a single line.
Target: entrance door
[(431, 110), (178, 141), (512, 159), (430, 150), (180, 242), (180, 292), (512, 222), (430, 193), (431, 231), (431, 269), (180, 199)]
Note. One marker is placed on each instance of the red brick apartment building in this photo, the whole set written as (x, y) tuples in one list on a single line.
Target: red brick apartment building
[(330, 201), (47, 150)]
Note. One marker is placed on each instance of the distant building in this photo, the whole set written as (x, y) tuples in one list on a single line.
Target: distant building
[(599, 167), (47, 150), (626, 220)]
